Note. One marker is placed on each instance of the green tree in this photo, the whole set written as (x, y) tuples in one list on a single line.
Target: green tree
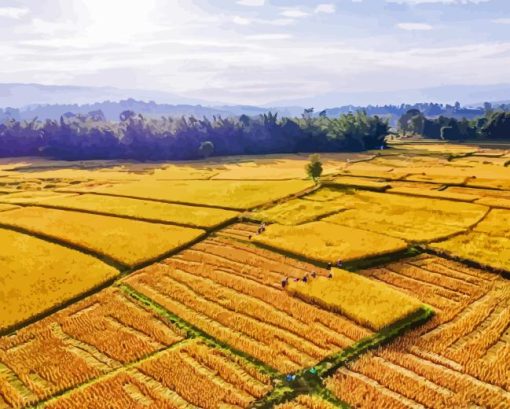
[(314, 168), (206, 149)]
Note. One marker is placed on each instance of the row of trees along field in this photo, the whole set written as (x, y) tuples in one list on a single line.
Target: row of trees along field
[(493, 125), (137, 137)]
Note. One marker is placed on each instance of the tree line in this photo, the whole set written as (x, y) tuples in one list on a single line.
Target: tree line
[(494, 125), (91, 136)]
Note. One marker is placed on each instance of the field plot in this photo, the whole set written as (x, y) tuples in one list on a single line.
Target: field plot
[(460, 358), (232, 291), (190, 374), (413, 219), (358, 182), (274, 169), (128, 242), (4, 207), (194, 216), (487, 244), (33, 197), (88, 339), (297, 211), (38, 275), (488, 197), (434, 194), (371, 170), (328, 242), (15, 182), (220, 193), (307, 402), (365, 301)]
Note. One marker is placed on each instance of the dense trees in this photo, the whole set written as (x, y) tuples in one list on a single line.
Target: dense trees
[(494, 125), (137, 137)]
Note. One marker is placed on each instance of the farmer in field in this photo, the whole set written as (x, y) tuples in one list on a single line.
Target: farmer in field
[(305, 278), (285, 282), (262, 228), (330, 275), (339, 263), (314, 274), (329, 266)]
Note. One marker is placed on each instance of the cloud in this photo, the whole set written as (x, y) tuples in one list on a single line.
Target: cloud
[(294, 12), (251, 3), (13, 12), (327, 8), (242, 21), (270, 36), (501, 21), (414, 26), (438, 1)]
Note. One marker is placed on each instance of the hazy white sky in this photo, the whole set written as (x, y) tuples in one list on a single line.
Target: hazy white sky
[(255, 51)]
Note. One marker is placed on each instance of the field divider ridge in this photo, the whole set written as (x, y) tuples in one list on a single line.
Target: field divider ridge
[(312, 382)]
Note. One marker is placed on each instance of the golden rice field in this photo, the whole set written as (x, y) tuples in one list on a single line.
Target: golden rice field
[(37, 275), (233, 292), (84, 341), (487, 244), (328, 242), (230, 194), (368, 303), (151, 285), (458, 359), (191, 374), (307, 402), (129, 242), (297, 211), (413, 219), (193, 216)]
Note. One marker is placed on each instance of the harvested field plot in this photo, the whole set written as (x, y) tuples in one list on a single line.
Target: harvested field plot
[(365, 301), (92, 337), (128, 242), (38, 275), (328, 242), (410, 218), (233, 292), (148, 210), (220, 193), (297, 211), (191, 374), (458, 359), (487, 244)]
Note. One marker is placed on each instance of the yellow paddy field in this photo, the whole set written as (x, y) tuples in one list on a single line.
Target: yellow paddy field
[(214, 283)]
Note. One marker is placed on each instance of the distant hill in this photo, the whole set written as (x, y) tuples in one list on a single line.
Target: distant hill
[(22, 95), (112, 110), (28, 101), (467, 95)]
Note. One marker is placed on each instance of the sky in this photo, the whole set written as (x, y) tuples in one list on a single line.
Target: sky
[(255, 51)]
